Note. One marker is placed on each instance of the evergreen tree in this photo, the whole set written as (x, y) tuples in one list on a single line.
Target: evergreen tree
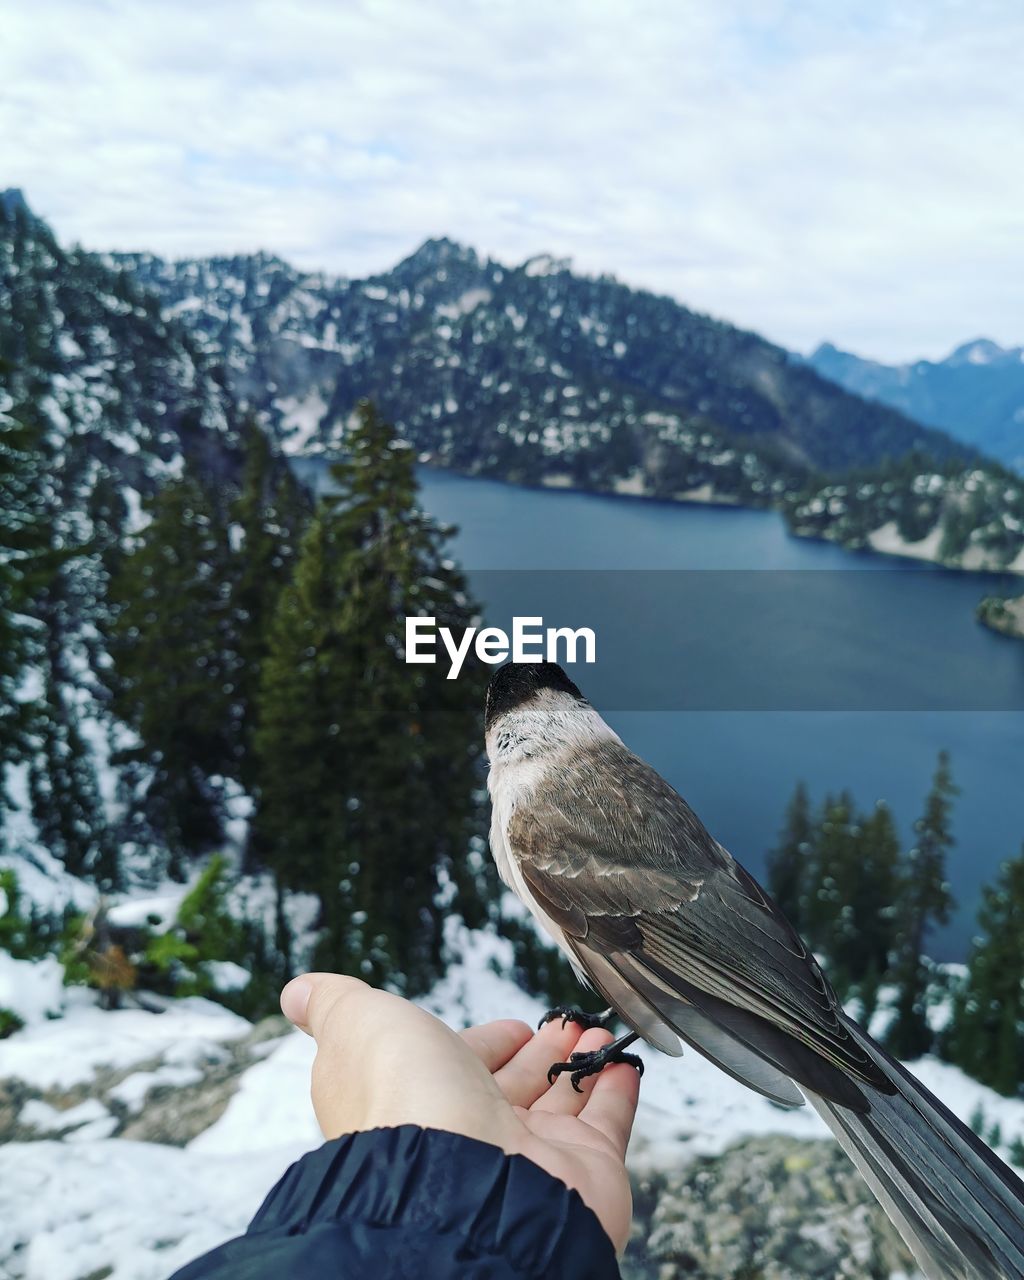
[(849, 916), (925, 900), (829, 878), (22, 564), (174, 671), (870, 939), (369, 766), (987, 1032), (269, 515), (790, 861), (67, 807)]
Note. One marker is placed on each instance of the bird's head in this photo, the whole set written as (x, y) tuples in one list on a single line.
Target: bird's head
[(518, 683)]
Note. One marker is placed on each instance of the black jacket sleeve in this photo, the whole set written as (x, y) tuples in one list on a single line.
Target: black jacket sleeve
[(419, 1204)]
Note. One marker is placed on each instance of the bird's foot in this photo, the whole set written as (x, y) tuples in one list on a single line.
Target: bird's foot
[(584, 1020), (590, 1064)]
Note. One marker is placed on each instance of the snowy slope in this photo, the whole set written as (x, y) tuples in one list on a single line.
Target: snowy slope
[(75, 1202)]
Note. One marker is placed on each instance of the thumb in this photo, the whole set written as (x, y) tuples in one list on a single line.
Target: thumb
[(308, 1000)]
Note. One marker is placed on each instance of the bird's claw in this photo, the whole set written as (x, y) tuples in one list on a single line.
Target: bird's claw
[(584, 1020), (590, 1064)]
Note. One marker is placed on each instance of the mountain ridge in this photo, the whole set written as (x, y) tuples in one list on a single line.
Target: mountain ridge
[(490, 346), (976, 392)]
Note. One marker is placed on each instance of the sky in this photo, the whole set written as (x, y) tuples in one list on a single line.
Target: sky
[(849, 170)]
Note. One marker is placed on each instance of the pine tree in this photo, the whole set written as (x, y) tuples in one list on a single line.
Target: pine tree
[(849, 916), (268, 517), (987, 1031), (67, 807), (22, 565), (790, 861), (924, 901), (369, 766), (829, 875), (870, 941), (302, 748), (174, 671)]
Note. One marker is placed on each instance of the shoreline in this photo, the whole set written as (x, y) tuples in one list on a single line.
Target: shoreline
[(884, 541)]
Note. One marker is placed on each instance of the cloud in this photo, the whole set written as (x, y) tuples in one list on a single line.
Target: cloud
[(811, 170)]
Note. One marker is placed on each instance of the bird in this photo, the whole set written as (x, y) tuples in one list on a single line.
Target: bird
[(686, 947)]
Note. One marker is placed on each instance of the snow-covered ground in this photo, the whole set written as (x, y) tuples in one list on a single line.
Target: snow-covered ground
[(75, 1200)]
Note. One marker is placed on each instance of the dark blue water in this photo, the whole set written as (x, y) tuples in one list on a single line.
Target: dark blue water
[(738, 767)]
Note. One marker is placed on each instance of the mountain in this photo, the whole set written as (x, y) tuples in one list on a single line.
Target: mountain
[(976, 393), (117, 397), (531, 373), (120, 391), (534, 374)]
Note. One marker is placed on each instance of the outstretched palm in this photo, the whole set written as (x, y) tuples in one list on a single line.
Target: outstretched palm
[(382, 1061)]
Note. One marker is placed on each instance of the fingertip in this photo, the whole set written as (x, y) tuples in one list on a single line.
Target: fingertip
[(295, 1001), (612, 1105), (514, 1026), (624, 1079), (496, 1043), (308, 999)]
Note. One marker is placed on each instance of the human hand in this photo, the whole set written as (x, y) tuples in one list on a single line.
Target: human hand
[(382, 1062)]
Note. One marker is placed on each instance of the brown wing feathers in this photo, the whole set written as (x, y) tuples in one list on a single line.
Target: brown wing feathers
[(654, 886)]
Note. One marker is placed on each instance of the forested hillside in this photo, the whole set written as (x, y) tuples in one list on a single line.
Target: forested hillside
[(200, 660), (102, 403), (529, 372)]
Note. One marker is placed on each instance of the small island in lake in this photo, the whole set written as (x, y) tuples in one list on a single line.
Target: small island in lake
[(1003, 615)]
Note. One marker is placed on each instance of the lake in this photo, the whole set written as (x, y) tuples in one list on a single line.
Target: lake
[(848, 670)]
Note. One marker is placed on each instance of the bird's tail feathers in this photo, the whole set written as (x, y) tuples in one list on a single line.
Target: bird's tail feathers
[(960, 1209)]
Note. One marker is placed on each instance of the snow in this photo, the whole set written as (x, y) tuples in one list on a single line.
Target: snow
[(68, 1051), (41, 877), (887, 541), (464, 304), (141, 1209), (32, 989), (271, 1109), (158, 912), (632, 485), (133, 1090), (226, 975), (300, 420), (40, 1115)]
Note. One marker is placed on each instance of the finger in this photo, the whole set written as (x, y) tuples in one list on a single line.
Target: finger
[(525, 1077), (562, 1099), (495, 1043), (611, 1106), (309, 1001)]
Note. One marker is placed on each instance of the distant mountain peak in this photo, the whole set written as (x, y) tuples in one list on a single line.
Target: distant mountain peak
[(977, 351), (13, 200), (976, 393), (546, 264), (436, 252)]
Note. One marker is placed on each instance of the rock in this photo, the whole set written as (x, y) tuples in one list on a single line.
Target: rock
[(771, 1208), (152, 1101)]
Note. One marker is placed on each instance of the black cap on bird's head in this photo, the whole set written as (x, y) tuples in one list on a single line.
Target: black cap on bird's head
[(517, 682)]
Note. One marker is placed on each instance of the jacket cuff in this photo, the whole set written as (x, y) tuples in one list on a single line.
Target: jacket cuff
[(435, 1182)]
